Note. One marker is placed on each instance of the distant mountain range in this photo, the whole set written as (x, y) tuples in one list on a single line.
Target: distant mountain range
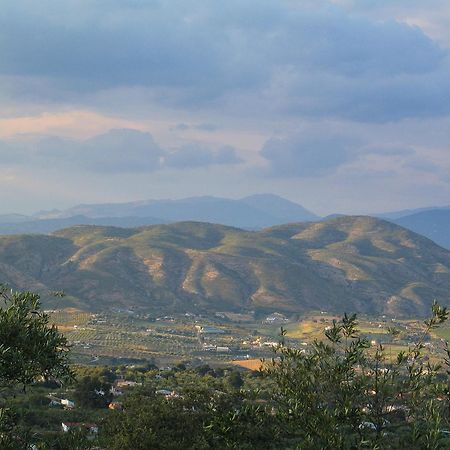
[(434, 224), (251, 213), (359, 264), (254, 212), (46, 226), (431, 222), (394, 215)]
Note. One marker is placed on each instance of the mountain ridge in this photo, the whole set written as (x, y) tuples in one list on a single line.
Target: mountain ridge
[(252, 212), (434, 224), (356, 263)]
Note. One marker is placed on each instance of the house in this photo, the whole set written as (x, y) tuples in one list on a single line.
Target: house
[(271, 344), (127, 384), (115, 406), (92, 428), (209, 347), (208, 330), (222, 349), (167, 393), (116, 392), (367, 425), (69, 404), (54, 401), (276, 318)]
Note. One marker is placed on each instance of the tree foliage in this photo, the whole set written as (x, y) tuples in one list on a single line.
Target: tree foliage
[(199, 419), (343, 393), (91, 392), (30, 349)]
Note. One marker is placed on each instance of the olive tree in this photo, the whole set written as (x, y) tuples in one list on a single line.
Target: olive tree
[(344, 393), (31, 349)]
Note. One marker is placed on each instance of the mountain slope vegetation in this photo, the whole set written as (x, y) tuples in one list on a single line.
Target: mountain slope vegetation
[(353, 263)]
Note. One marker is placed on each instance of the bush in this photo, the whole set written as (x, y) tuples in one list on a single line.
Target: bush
[(344, 394)]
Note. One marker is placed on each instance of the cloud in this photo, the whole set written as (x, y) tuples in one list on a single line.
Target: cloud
[(117, 151), (207, 127), (308, 59), (121, 151), (195, 155), (181, 127), (390, 151), (210, 127), (68, 123), (422, 165), (366, 80), (306, 155)]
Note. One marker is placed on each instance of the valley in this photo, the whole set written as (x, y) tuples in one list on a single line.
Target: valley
[(126, 338)]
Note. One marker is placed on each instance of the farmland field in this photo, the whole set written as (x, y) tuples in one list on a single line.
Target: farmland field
[(122, 336), (251, 364)]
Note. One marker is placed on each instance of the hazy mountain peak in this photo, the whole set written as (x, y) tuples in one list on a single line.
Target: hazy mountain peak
[(256, 211), (279, 207)]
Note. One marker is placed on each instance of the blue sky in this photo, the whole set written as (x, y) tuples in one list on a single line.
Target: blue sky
[(339, 105)]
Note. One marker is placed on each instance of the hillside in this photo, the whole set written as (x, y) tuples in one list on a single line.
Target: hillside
[(357, 264)]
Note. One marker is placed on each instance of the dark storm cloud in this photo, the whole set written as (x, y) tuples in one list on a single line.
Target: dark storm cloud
[(117, 151), (306, 59)]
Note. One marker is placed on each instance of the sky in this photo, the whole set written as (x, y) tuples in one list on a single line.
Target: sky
[(339, 105)]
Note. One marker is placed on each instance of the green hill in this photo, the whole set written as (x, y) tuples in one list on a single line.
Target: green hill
[(357, 264)]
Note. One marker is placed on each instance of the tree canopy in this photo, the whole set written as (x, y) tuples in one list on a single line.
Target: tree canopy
[(30, 349)]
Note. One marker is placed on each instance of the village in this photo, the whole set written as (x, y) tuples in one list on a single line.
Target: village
[(130, 337)]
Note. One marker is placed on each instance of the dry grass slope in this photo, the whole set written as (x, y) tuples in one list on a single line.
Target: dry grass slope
[(357, 264)]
